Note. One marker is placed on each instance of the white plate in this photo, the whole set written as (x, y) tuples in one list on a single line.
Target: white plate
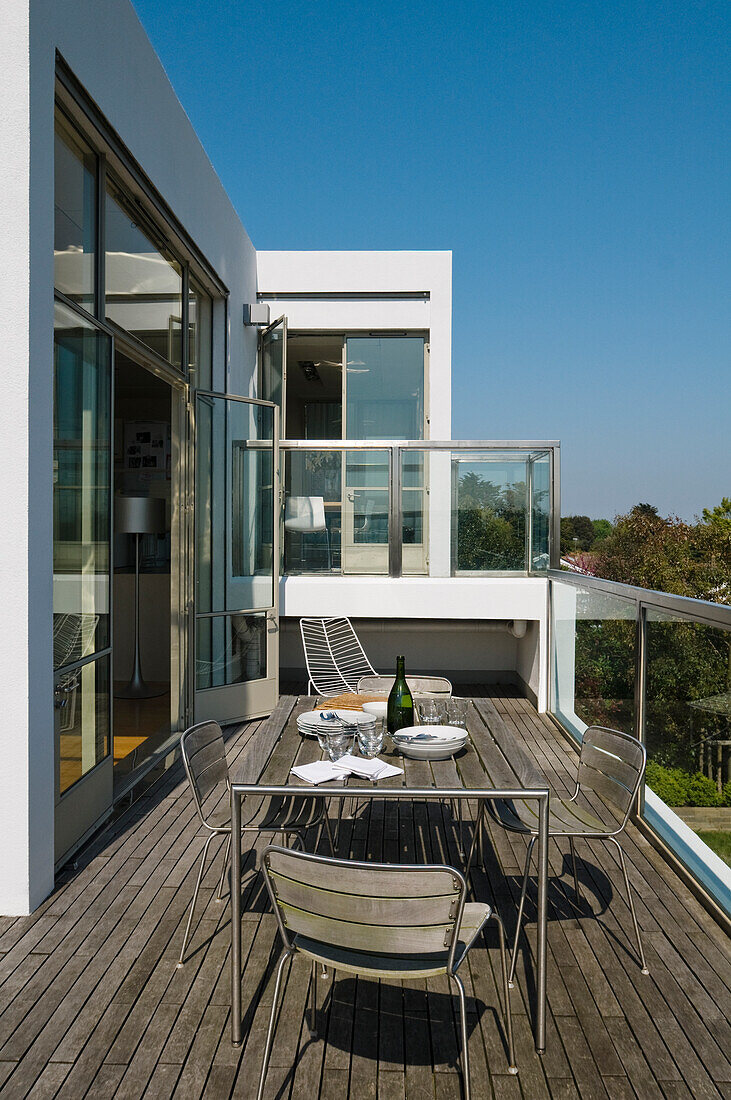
[(310, 722), (430, 743), (378, 709)]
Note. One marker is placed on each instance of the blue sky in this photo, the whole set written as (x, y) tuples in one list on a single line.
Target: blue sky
[(575, 157)]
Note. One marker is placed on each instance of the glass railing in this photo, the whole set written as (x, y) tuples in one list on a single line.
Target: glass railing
[(419, 509), (657, 666)]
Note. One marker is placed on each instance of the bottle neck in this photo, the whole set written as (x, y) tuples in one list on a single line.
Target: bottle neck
[(400, 667)]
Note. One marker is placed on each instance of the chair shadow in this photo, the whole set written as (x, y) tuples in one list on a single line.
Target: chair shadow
[(365, 1040)]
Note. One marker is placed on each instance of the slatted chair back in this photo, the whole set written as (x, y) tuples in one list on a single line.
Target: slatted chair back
[(420, 685), (335, 658), (612, 764), (375, 908), (204, 758)]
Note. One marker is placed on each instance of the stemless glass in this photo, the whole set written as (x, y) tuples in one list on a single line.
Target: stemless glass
[(428, 712), (370, 738), (457, 712), (339, 741)]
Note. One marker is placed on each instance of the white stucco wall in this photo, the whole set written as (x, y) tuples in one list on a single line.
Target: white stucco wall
[(459, 600), (284, 275), (107, 49)]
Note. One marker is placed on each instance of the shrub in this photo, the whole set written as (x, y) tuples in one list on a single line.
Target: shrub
[(669, 784), (726, 793), (702, 791)]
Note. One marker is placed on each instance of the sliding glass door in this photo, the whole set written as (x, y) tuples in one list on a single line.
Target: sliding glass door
[(82, 442)]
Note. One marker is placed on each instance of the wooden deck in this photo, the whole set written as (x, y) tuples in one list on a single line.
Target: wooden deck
[(91, 1002)]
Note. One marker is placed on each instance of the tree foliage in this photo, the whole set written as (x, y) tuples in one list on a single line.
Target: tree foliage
[(490, 524), (670, 555)]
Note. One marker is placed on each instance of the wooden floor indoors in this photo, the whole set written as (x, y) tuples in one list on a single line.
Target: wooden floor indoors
[(91, 1002)]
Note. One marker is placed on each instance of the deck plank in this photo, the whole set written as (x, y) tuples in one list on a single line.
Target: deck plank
[(92, 1003)]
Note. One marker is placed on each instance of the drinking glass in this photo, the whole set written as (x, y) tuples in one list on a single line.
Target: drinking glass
[(370, 738), (428, 712), (339, 741), (457, 712)]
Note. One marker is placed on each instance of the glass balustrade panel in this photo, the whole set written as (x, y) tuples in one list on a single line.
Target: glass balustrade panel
[(489, 500), (593, 674), (688, 723), (540, 506), (313, 507)]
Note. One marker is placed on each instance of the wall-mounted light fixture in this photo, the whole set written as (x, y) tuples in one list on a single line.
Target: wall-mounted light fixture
[(256, 313)]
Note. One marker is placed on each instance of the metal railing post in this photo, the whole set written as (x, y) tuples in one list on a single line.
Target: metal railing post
[(395, 514)]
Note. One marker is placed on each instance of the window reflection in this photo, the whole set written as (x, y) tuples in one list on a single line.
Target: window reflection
[(200, 330), (144, 283), (74, 231), (81, 497), (81, 706), (385, 387)]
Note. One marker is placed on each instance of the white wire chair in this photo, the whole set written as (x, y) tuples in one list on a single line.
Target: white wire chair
[(334, 657)]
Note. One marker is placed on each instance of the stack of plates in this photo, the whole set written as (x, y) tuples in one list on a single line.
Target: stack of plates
[(310, 722), (430, 742)]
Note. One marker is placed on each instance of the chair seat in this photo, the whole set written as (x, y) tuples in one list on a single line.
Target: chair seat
[(396, 966), (296, 812), (565, 818)]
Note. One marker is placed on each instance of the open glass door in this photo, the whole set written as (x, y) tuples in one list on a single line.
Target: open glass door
[(273, 367), (236, 651)]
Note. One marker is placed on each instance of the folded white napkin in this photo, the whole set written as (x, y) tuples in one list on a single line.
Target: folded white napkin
[(320, 772), (366, 769)]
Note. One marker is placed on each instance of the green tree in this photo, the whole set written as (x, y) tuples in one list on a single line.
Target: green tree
[(579, 528), (602, 529)]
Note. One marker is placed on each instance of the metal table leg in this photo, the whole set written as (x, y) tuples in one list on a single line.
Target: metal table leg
[(542, 918), (236, 1021)]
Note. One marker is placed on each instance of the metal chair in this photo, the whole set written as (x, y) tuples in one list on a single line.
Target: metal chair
[(334, 657), (204, 758), (438, 686), (376, 920), (612, 765)]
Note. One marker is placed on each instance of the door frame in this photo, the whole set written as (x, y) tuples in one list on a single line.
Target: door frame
[(259, 697)]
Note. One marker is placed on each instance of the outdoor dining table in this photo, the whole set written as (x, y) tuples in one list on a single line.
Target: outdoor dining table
[(493, 765)]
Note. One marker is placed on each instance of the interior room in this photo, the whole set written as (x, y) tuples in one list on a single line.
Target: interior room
[(314, 386), (142, 498)]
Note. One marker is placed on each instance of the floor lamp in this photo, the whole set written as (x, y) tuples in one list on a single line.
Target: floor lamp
[(138, 516)]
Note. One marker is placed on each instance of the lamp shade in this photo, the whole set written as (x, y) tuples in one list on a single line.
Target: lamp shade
[(139, 515)]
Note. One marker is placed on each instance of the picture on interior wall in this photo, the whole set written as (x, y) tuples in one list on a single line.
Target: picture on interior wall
[(147, 448)]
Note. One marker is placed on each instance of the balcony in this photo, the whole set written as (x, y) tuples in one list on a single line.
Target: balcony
[(418, 509), (91, 1002)]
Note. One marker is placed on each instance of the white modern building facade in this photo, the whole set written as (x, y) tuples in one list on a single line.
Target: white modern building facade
[(203, 442), (174, 407)]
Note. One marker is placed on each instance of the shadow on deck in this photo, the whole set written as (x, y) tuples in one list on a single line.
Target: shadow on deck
[(91, 1002)]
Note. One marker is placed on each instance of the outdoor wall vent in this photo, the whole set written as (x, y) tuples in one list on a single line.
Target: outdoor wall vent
[(256, 314)]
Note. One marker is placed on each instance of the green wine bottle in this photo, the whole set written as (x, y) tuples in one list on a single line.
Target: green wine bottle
[(400, 711)]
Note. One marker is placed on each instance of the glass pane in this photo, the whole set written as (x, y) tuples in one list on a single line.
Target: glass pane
[(688, 714), (594, 658), (414, 517), (200, 333), (272, 365), (81, 488), (541, 514), (488, 514), (74, 234), (144, 283), (385, 387), (366, 512), (231, 649), (312, 511), (81, 702), (234, 505)]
